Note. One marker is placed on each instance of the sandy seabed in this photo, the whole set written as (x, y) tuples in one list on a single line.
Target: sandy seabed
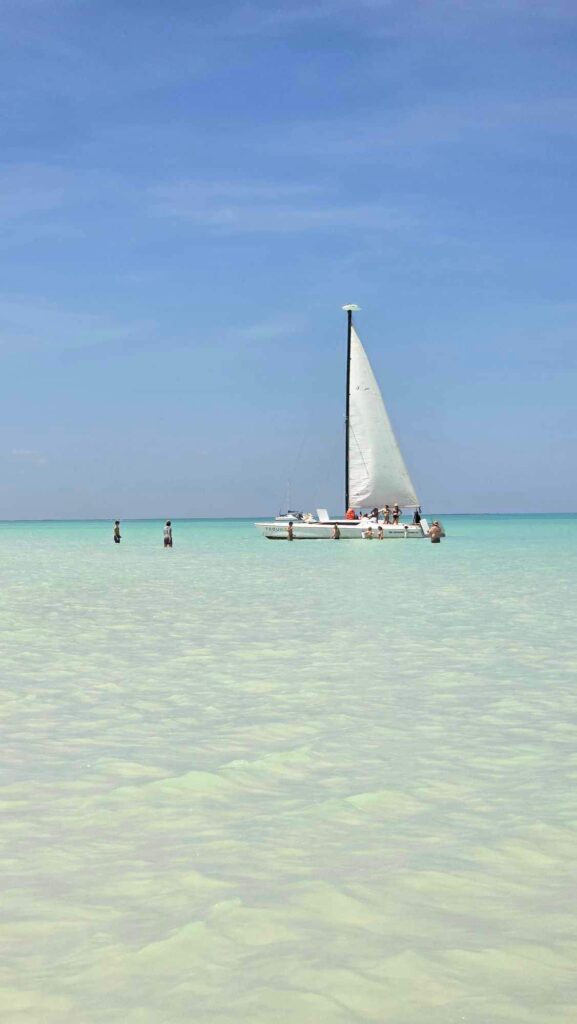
[(288, 784)]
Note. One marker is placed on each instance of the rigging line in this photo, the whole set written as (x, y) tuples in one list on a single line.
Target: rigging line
[(297, 457), (299, 451)]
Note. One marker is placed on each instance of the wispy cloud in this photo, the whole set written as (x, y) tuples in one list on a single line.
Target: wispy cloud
[(385, 16), (247, 339), (263, 207), (42, 201), (33, 324), (29, 190), (475, 119), (32, 233), (273, 18), (28, 456), (265, 331)]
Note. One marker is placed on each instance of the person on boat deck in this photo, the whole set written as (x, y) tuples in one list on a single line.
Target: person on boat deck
[(116, 531), (168, 534), (290, 532), (417, 516), (336, 532), (368, 533), (350, 514), (435, 532), (380, 534), (386, 514), (396, 514), (374, 514)]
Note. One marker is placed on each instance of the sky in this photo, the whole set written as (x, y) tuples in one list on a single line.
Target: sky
[(191, 190)]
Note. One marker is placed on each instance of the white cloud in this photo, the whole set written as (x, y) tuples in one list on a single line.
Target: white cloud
[(262, 207), (264, 331), (477, 119), (42, 201), (368, 16), (275, 18), (29, 456), (29, 190), (30, 324)]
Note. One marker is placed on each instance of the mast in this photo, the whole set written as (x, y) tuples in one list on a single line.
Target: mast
[(349, 311)]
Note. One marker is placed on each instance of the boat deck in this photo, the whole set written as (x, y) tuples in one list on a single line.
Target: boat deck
[(349, 530)]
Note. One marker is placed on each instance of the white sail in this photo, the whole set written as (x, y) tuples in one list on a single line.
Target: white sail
[(377, 472)]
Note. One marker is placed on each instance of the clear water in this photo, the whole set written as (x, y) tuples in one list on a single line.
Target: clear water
[(288, 783)]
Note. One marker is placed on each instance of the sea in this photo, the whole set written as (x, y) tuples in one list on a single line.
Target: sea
[(247, 782)]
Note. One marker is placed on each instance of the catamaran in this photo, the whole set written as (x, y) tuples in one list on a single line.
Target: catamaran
[(375, 472)]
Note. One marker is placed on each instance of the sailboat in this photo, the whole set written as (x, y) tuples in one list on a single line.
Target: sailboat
[(375, 472)]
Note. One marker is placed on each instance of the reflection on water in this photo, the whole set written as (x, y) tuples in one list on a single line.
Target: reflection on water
[(288, 784)]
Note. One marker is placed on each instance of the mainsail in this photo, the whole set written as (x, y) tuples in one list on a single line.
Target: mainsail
[(377, 472)]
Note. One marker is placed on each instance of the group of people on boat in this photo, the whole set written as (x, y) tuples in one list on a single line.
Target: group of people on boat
[(167, 533), (388, 514), (435, 531)]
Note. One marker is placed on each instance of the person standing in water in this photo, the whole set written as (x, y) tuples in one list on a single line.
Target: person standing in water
[(116, 531), (168, 534), (336, 532), (435, 532)]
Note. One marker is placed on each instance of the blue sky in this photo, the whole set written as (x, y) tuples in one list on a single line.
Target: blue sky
[(189, 191)]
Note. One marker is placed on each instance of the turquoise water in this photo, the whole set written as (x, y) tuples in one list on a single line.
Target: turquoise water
[(288, 783)]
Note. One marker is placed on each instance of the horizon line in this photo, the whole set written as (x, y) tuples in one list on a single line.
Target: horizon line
[(223, 519)]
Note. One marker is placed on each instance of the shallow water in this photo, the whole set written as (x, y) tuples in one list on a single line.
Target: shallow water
[(288, 783)]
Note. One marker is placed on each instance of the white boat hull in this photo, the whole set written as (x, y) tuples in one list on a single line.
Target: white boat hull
[(349, 530)]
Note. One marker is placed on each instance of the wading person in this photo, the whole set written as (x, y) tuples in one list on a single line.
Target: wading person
[(168, 534), (435, 532), (116, 531), (290, 532)]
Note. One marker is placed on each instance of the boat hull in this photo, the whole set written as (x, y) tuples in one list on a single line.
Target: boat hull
[(348, 530)]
